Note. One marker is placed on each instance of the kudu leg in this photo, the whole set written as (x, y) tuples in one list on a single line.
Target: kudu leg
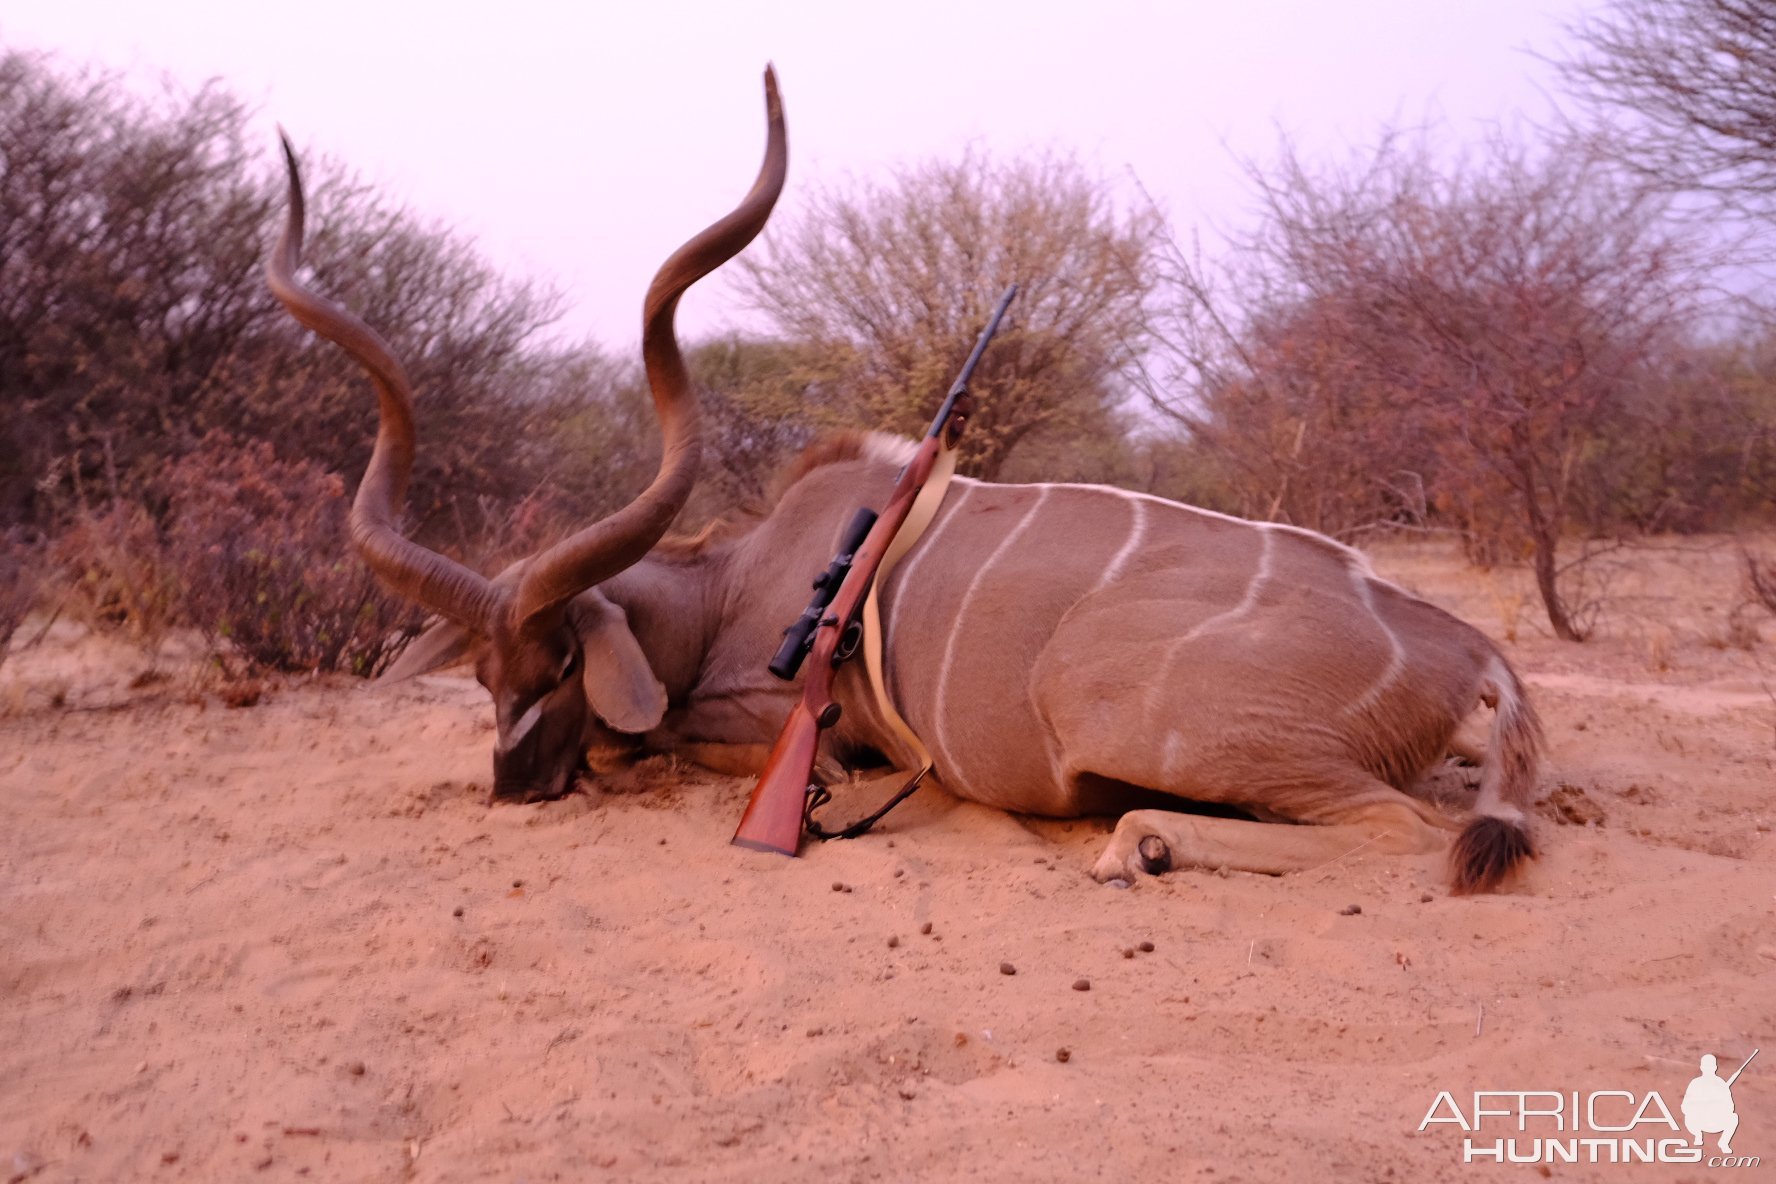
[(732, 760), (1151, 842)]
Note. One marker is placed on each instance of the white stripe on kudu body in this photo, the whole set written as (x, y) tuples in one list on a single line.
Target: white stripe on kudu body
[(1397, 657), (1155, 690), (906, 575), (1137, 531), (1266, 557), (945, 666)]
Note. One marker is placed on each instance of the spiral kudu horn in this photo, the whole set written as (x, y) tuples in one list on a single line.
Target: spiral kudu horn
[(612, 544), (596, 552), (410, 570)]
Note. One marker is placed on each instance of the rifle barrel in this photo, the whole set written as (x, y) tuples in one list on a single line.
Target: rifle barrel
[(960, 386)]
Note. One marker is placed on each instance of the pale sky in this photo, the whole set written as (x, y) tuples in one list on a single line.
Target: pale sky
[(581, 142)]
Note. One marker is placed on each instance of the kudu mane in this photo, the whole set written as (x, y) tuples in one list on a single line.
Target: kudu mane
[(829, 448)]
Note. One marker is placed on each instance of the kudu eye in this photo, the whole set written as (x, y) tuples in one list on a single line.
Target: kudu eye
[(570, 667)]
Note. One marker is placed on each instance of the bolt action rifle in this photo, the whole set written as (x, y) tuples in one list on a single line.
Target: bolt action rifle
[(831, 628)]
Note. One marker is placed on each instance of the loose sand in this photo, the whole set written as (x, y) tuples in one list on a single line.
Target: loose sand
[(293, 940)]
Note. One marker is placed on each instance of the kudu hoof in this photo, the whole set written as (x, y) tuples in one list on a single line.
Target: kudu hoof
[(1156, 857)]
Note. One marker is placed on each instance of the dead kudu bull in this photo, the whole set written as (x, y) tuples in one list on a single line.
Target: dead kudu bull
[(1062, 649)]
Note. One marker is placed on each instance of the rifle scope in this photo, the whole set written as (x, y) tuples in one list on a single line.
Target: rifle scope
[(798, 639)]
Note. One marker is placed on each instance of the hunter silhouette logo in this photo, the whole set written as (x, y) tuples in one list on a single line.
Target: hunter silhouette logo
[(1599, 1126), (1708, 1104)]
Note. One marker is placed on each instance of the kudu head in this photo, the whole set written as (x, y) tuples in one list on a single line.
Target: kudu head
[(556, 655)]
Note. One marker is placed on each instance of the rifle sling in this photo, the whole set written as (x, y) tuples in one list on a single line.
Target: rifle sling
[(919, 516)]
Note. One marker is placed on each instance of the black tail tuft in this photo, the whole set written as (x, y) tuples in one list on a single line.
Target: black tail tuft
[(1488, 850)]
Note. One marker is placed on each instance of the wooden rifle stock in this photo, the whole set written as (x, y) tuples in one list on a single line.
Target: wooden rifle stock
[(774, 817)]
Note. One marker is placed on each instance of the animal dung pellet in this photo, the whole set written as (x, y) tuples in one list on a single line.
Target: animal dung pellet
[(816, 1031), (925, 928), (1007, 968), (1350, 910), (1128, 951), (356, 1068), (1082, 984), (840, 886), (517, 883), (457, 911), (1145, 947), (893, 941), (1063, 1055), (1427, 898)]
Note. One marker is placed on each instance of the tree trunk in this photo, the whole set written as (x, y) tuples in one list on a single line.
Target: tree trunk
[(1544, 534)]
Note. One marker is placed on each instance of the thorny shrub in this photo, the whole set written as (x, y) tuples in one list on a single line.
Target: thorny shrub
[(540, 519), (265, 567), (116, 573), (18, 584)]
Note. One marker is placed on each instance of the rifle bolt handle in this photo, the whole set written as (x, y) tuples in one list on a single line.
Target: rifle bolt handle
[(829, 715)]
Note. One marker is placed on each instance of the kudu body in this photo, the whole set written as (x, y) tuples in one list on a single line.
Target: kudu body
[(1061, 649)]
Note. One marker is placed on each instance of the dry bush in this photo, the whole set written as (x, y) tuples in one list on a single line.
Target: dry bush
[(538, 521), (265, 566), (116, 574), (1470, 325), (1687, 91), (886, 286), (19, 575), (134, 313), (1760, 575)]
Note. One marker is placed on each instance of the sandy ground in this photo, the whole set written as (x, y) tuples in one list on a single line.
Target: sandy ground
[(293, 940)]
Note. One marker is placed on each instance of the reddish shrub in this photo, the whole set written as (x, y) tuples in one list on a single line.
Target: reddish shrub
[(265, 566)]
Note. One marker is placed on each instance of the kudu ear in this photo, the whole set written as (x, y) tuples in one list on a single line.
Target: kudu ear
[(620, 683), (442, 645)]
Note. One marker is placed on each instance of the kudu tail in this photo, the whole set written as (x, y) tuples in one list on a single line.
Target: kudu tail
[(1497, 841)]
